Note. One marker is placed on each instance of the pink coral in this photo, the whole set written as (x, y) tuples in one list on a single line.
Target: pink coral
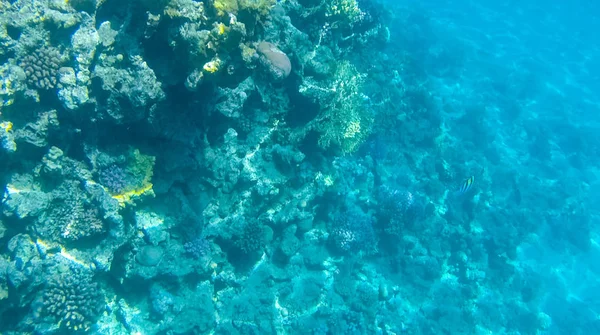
[(275, 60)]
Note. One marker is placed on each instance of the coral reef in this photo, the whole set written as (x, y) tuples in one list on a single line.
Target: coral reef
[(293, 167)]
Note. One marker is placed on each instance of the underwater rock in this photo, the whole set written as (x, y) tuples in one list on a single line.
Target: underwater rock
[(36, 133), (149, 255), (152, 225), (12, 81), (129, 89), (24, 271), (233, 99)]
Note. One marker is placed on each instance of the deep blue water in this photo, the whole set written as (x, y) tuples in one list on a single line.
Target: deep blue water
[(532, 69)]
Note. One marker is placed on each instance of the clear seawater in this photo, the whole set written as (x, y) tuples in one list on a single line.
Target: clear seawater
[(519, 85)]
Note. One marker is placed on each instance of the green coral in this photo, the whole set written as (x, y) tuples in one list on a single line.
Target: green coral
[(344, 122)]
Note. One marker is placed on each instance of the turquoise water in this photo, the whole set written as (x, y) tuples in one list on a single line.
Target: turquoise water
[(299, 167)]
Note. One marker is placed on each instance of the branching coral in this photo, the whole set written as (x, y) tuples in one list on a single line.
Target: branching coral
[(251, 238), (74, 220), (226, 7), (345, 121), (344, 11)]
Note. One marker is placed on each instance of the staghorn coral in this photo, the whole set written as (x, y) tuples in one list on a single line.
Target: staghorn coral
[(344, 122), (74, 299), (41, 68)]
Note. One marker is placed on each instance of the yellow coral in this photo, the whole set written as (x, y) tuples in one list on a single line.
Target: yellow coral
[(212, 66), (129, 196), (352, 129), (347, 9), (221, 28), (225, 7), (7, 126)]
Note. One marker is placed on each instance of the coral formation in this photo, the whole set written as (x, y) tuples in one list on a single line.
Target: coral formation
[(345, 120), (397, 209), (41, 67), (252, 237), (276, 61), (197, 248), (74, 221), (352, 231), (74, 299)]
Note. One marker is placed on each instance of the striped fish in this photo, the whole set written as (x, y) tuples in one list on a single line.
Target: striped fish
[(466, 185)]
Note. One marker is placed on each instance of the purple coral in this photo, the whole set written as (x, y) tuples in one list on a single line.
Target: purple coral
[(114, 178), (397, 209), (352, 231), (197, 248)]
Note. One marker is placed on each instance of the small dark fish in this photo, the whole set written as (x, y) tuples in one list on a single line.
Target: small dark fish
[(466, 185)]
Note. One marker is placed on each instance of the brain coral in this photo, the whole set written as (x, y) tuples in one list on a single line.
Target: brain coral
[(74, 299), (275, 60), (41, 67)]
